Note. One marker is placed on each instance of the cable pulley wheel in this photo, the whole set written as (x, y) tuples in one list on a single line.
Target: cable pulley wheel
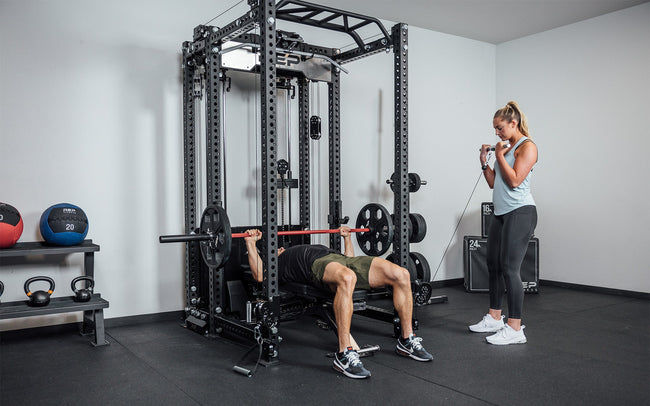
[(375, 217)]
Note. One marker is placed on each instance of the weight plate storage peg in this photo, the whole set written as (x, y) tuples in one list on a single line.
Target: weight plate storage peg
[(375, 217), (418, 226), (85, 294), (40, 297), (215, 223)]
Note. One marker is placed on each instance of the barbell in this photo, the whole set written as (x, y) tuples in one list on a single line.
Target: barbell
[(374, 231)]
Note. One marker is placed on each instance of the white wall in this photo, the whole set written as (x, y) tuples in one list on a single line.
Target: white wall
[(586, 90), (90, 113)]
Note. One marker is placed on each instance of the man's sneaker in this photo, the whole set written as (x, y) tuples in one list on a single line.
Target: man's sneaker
[(348, 363), (487, 325), (412, 347), (507, 335)]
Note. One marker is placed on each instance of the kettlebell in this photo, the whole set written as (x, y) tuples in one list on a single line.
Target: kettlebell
[(82, 295), (2, 288), (40, 297)]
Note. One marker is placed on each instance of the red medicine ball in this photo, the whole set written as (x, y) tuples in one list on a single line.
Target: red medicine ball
[(11, 225)]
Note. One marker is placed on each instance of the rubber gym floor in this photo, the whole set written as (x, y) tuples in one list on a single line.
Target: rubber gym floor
[(583, 348)]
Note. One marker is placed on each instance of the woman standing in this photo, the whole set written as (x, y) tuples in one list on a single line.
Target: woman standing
[(515, 218)]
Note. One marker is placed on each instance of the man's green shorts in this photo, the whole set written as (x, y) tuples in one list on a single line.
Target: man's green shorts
[(360, 266)]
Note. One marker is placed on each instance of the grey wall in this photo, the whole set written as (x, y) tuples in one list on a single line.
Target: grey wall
[(90, 113)]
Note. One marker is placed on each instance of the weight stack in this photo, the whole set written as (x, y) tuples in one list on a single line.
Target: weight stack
[(487, 214), (475, 265)]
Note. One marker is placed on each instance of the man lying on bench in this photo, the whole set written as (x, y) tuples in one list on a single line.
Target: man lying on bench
[(324, 268)]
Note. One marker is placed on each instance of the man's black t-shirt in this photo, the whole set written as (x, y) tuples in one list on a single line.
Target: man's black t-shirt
[(295, 263)]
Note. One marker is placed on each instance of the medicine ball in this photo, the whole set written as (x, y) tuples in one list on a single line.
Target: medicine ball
[(11, 225), (64, 224)]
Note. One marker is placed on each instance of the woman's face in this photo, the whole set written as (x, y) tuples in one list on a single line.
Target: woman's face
[(503, 129)]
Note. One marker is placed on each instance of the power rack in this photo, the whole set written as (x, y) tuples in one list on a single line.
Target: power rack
[(273, 54)]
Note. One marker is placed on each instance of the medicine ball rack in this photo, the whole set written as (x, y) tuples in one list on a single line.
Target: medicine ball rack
[(278, 57), (93, 309)]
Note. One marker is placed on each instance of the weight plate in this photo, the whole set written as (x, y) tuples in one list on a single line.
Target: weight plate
[(215, 223), (414, 182), (411, 265), (419, 227), (376, 241), (422, 293), (422, 268)]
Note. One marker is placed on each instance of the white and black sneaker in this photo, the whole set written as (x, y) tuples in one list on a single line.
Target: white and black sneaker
[(488, 324), (412, 347), (349, 364)]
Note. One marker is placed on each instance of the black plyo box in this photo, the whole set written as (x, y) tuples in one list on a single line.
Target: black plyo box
[(487, 213), (475, 265)]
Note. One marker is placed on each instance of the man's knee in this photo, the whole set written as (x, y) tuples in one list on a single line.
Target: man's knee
[(346, 278), (397, 276)]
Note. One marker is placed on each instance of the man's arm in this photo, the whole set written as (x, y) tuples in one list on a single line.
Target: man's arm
[(254, 260), (347, 241)]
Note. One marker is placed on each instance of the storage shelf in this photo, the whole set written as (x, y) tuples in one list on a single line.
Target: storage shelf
[(41, 248), (20, 308), (93, 318)]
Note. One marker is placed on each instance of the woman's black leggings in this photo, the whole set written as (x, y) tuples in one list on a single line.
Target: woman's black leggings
[(506, 247)]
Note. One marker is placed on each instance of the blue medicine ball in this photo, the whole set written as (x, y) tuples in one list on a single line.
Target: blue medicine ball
[(64, 224)]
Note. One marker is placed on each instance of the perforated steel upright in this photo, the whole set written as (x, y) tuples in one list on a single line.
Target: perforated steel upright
[(193, 259), (213, 162), (334, 97), (401, 190), (303, 147), (269, 164)]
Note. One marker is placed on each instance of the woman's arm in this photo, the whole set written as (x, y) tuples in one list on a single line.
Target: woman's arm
[(525, 158)]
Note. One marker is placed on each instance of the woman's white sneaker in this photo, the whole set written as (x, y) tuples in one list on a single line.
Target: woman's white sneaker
[(487, 325), (507, 335)]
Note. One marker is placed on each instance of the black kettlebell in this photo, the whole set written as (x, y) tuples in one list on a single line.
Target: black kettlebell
[(82, 295), (40, 297), (2, 288)]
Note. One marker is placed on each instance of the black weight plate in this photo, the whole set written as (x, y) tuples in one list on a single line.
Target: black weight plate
[(423, 293), (414, 182), (422, 267), (214, 222), (410, 267), (376, 241), (419, 227)]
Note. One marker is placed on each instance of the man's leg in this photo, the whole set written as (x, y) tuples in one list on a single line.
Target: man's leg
[(385, 273), (343, 280)]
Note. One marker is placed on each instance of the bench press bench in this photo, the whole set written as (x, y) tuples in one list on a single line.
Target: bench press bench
[(323, 301)]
